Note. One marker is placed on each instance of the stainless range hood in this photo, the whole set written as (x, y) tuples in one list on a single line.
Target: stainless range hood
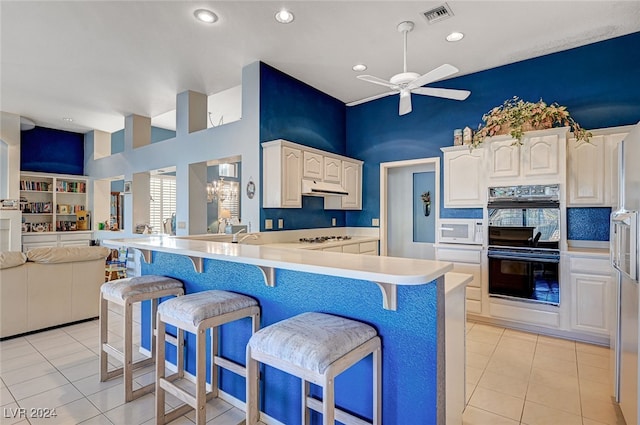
[(320, 188)]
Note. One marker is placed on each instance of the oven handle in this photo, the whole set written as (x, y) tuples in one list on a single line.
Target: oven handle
[(524, 258)]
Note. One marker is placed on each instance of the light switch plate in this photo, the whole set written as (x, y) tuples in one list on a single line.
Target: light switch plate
[(280, 223), (268, 224), (182, 225), (375, 222), (333, 221)]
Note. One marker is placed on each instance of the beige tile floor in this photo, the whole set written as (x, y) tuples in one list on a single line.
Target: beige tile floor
[(515, 378), (512, 378)]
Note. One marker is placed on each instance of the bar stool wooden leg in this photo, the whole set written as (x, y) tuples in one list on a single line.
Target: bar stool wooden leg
[(252, 382), (104, 333), (214, 368), (160, 371), (377, 386), (305, 410), (128, 351), (328, 402), (201, 377)]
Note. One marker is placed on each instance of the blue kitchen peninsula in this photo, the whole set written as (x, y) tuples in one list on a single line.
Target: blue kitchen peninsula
[(402, 298)]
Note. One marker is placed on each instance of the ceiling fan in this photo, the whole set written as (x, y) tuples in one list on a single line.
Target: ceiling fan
[(406, 83)]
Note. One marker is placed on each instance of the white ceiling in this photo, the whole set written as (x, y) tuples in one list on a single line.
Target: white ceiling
[(98, 61)]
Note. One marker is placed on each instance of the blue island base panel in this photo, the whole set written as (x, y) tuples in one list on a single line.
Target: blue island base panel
[(411, 393)]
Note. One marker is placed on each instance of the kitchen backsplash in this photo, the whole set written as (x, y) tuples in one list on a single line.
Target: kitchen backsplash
[(588, 224)]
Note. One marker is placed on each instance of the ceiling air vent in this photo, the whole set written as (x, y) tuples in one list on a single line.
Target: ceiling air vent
[(438, 14)]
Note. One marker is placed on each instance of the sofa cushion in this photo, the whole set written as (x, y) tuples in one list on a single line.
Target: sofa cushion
[(67, 254), (10, 259)]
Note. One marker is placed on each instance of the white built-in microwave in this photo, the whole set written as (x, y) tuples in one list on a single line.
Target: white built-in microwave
[(461, 230)]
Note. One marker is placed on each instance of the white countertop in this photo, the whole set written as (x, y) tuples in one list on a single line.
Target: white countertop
[(321, 245), (389, 270)]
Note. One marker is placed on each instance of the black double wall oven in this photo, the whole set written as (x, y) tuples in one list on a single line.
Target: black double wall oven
[(524, 239)]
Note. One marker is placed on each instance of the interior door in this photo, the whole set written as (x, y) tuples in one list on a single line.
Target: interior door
[(410, 233)]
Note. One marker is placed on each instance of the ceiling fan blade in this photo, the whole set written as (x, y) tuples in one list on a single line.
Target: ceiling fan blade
[(375, 80), (367, 99), (446, 93), (405, 102), (434, 75)]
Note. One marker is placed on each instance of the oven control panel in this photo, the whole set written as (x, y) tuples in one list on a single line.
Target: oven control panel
[(541, 191)]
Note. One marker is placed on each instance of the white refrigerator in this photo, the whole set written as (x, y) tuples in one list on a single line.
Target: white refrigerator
[(624, 257)]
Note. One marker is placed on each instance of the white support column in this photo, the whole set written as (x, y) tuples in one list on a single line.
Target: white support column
[(191, 112), (137, 132), (10, 175)]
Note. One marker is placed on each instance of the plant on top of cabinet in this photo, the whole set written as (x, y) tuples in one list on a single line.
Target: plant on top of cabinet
[(515, 116)]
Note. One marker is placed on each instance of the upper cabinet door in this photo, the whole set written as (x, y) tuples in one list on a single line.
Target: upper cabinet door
[(585, 172), (352, 181), (313, 165), (464, 185), (540, 156), (504, 159), (291, 178), (332, 170)]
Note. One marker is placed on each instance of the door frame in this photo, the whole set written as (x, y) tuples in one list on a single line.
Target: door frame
[(384, 172)]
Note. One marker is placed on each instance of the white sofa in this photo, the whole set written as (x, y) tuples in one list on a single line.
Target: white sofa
[(49, 287)]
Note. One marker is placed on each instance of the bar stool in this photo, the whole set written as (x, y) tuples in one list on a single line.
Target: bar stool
[(315, 347), (125, 292), (196, 313)]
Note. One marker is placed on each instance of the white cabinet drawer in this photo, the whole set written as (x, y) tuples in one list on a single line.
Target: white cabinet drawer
[(354, 248), (75, 237), (333, 249), (472, 269), (459, 255), (29, 239), (590, 265), (474, 294), (473, 306), (371, 246)]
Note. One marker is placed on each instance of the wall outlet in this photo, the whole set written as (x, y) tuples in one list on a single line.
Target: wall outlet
[(280, 223), (333, 221), (375, 222), (268, 224), (182, 225)]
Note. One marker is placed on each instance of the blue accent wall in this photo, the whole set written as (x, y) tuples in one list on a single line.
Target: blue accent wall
[(588, 224), (299, 113), (52, 151), (598, 83)]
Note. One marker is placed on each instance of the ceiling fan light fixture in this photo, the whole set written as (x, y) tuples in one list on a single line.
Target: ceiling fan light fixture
[(206, 16), (455, 36), (67, 119), (284, 16), (359, 67)]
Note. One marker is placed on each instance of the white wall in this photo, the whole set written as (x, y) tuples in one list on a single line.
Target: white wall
[(9, 156), (239, 138)]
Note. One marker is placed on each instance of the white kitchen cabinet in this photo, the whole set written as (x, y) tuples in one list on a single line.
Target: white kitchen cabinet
[(333, 249), (592, 169), (585, 172), (591, 291), (352, 183), (284, 164), (467, 260), (332, 170), (51, 239), (540, 158), (312, 165), (281, 175), (464, 182)]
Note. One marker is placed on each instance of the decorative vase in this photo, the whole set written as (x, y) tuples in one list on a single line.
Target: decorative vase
[(426, 207)]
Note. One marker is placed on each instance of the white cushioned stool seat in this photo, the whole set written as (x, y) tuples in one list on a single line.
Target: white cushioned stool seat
[(131, 286), (194, 308), (196, 313), (125, 292), (311, 340), (316, 347)]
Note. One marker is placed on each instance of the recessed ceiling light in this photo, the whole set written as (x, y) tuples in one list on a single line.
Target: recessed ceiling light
[(284, 16), (455, 36), (204, 15), (67, 119), (359, 67)]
